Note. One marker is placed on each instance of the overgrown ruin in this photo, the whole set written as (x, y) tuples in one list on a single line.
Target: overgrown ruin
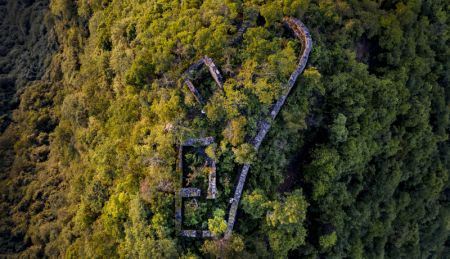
[(215, 73), (302, 33), (193, 192)]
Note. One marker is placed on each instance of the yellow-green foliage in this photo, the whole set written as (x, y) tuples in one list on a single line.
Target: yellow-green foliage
[(356, 164), (217, 225), (327, 241)]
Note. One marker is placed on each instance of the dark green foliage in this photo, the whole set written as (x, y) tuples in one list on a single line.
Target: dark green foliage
[(139, 75), (356, 165)]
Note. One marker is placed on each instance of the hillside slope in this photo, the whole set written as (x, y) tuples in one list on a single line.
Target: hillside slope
[(95, 106)]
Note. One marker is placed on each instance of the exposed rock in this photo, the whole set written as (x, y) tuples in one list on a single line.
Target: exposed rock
[(302, 33), (213, 70)]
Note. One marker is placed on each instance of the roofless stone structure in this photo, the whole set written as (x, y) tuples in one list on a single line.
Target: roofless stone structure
[(192, 192), (215, 73), (302, 33), (304, 36)]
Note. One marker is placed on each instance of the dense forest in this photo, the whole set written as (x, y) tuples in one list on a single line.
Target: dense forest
[(94, 108)]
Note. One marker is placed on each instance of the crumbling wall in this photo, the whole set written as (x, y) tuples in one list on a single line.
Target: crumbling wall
[(304, 36), (192, 192), (302, 33)]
